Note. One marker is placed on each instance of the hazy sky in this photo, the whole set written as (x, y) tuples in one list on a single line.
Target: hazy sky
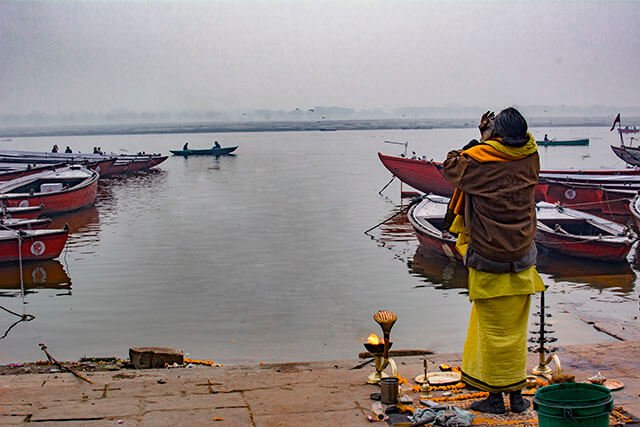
[(63, 56)]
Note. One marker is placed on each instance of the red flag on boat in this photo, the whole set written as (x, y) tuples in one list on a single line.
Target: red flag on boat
[(616, 120)]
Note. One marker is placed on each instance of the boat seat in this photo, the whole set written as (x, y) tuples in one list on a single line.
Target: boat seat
[(558, 228)]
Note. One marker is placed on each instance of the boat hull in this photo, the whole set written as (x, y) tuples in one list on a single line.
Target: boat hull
[(581, 235), (634, 208), (424, 176), (564, 142), (24, 223), (430, 236), (607, 241), (55, 202), (205, 152), (19, 172), (578, 247), (25, 212), (106, 164), (630, 155), (31, 245)]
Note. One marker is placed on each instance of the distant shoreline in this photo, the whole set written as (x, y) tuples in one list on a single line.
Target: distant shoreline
[(288, 126)]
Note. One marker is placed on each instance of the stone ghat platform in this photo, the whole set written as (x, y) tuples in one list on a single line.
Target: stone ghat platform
[(287, 394)]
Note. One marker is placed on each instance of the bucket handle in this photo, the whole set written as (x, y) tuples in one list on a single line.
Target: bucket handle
[(556, 361)]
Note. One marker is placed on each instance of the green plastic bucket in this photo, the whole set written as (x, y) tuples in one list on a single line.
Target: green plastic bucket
[(573, 404)]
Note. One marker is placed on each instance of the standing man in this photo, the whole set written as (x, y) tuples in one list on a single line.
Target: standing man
[(493, 212)]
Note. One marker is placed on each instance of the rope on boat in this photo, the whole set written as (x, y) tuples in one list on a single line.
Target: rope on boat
[(20, 265), (573, 205), (403, 211), (24, 317), (578, 239), (388, 183)]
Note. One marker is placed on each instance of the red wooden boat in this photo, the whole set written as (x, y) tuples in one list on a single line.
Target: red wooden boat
[(141, 162), (582, 189), (427, 219), (33, 244), (61, 190), (580, 234), (585, 197), (9, 171), (422, 175), (566, 231), (118, 168), (634, 207), (26, 212), (24, 223), (106, 164)]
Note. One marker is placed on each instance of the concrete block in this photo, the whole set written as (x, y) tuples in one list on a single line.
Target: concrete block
[(154, 357)]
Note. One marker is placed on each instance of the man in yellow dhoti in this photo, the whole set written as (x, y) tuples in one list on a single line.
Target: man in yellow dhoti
[(493, 213)]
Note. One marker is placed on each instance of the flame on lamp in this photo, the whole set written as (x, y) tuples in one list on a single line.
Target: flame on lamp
[(373, 339)]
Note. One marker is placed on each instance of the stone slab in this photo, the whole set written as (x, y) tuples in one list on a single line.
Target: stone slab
[(87, 409), (194, 401), (229, 417)]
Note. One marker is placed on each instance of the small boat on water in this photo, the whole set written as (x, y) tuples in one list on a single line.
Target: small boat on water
[(9, 171), (107, 164), (24, 223), (25, 212), (563, 142), (630, 155), (627, 153), (580, 234), (566, 231), (31, 245), (427, 219), (222, 151), (62, 190)]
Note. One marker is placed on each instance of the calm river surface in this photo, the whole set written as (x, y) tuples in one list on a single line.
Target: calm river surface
[(263, 256)]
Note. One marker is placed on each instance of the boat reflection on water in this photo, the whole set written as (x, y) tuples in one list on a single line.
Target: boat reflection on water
[(618, 276), (35, 275), (443, 273), (79, 221), (84, 228), (396, 228), (446, 274)]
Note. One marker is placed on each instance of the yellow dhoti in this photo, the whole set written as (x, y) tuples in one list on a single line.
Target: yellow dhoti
[(495, 351)]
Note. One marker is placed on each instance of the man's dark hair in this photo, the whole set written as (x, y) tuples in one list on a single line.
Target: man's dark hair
[(511, 126)]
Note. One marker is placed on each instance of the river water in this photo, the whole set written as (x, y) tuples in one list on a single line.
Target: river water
[(263, 256)]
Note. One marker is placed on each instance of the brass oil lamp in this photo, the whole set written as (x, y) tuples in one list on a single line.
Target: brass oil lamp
[(380, 349)]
